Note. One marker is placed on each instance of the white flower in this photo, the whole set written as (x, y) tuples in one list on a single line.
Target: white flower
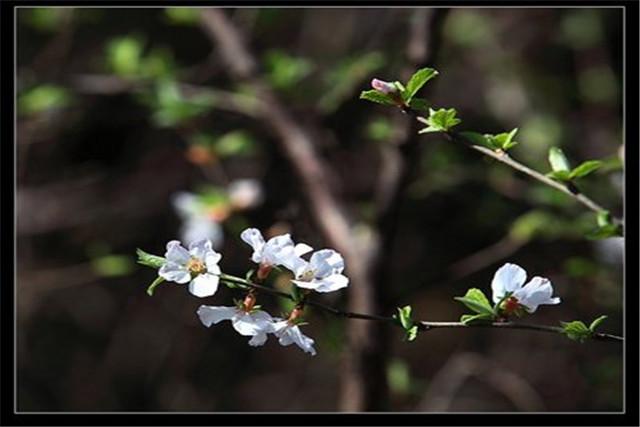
[(245, 193), (322, 272), (197, 222), (289, 333), (510, 278), (197, 266), (254, 323), (278, 250)]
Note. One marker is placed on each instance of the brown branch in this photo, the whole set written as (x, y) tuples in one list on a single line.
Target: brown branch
[(423, 325), (297, 146)]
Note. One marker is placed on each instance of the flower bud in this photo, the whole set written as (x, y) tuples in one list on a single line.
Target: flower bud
[(384, 87), (249, 302), (264, 270)]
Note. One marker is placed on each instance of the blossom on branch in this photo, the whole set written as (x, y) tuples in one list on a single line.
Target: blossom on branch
[(322, 273), (247, 322), (197, 266), (289, 333), (278, 250), (509, 282)]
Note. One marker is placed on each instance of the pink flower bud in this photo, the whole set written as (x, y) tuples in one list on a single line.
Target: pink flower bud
[(384, 87)]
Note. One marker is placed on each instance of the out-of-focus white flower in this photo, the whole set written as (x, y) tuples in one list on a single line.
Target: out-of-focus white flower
[(199, 221), (384, 87), (510, 278), (289, 333), (245, 193), (197, 266), (278, 250), (322, 273), (253, 323)]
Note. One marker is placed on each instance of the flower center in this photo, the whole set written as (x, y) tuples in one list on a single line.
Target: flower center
[(308, 275), (511, 304), (196, 266)]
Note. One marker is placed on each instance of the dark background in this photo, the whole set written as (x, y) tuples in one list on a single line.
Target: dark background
[(98, 163)]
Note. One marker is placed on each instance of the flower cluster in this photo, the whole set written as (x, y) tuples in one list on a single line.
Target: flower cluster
[(198, 266)]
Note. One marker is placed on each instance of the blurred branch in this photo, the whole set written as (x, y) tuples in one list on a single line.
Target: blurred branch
[(423, 325), (363, 375)]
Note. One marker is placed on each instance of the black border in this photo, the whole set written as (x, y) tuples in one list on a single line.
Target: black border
[(7, 173)]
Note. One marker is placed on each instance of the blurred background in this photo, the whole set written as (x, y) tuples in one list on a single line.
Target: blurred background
[(133, 131)]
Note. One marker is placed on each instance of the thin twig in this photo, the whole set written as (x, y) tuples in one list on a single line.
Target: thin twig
[(503, 157), (423, 325)]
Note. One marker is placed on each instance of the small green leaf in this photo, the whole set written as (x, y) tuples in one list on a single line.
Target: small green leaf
[(603, 232), (124, 55), (441, 120), (560, 175), (419, 104), (585, 168), (467, 319), (149, 260), (284, 70), (597, 322), (412, 333), (478, 139), (504, 141), (416, 82), (153, 285), (603, 218), (378, 97), (399, 86), (558, 160), (112, 265), (43, 98), (475, 300), (404, 316), (576, 330)]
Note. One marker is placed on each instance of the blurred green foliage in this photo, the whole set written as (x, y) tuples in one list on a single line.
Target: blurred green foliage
[(43, 98)]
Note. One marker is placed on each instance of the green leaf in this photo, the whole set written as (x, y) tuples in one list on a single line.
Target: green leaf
[(558, 160), (576, 330), (560, 175), (503, 141), (112, 265), (378, 97), (412, 333), (441, 120), (182, 15), (149, 260), (399, 86), (419, 104), (603, 218), (597, 322), (478, 139), (43, 98), (467, 319), (416, 82), (235, 143), (475, 300), (404, 316), (285, 71), (124, 55), (585, 168), (604, 232), (153, 285)]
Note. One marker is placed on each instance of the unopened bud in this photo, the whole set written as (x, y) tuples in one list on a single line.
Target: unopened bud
[(384, 87), (295, 314), (263, 271), (249, 302)]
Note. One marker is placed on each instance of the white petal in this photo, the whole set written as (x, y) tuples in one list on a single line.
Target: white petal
[(305, 285), (303, 341), (253, 238), (246, 324), (326, 262), (302, 248), (276, 248), (210, 315), (508, 278), (537, 292), (173, 272), (258, 339), (245, 193), (211, 260), (200, 248), (290, 260), (331, 283), (204, 285), (176, 253)]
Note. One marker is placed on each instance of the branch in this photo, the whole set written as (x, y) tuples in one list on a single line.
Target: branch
[(423, 325), (503, 157)]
